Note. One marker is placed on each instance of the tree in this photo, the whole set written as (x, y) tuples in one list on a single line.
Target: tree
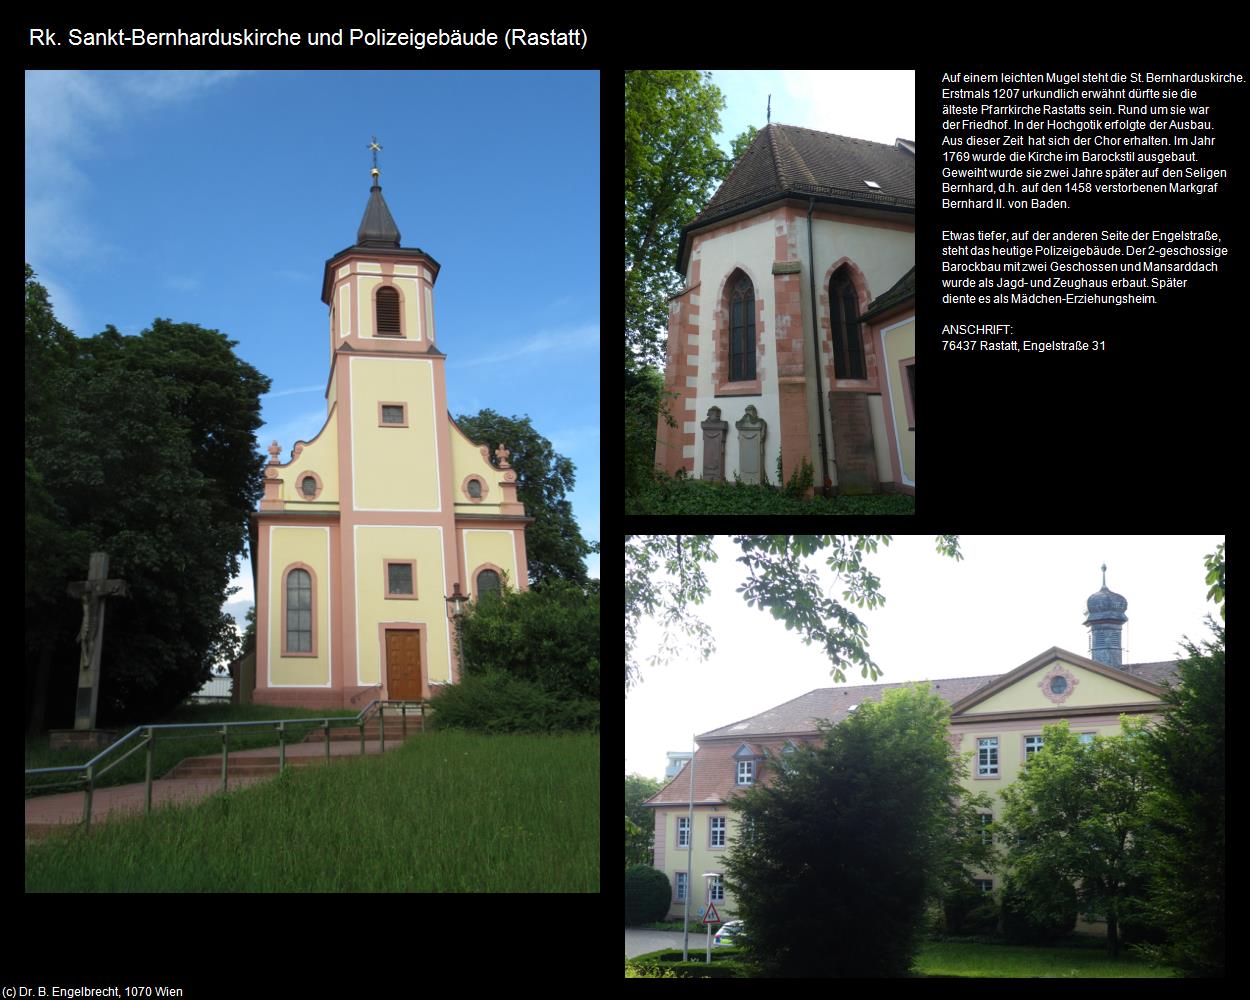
[(554, 546), (777, 581), (1184, 840), (639, 820), (1075, 813), (672, 165), (142, 447), (841, 852), (647, 895)]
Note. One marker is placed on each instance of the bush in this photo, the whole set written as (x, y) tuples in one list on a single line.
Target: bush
[(501, 703), (548, 636), (647, 895), (970, 911), (1038, 914)]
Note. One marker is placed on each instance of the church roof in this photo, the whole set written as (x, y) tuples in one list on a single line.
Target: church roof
[(377, 228), (788, 161)]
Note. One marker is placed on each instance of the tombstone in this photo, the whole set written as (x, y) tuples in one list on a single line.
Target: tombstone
[(92, 592), (751, 432), (715, 431)]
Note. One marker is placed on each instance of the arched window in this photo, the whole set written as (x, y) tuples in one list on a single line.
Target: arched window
[(741, 330), (487, 583), (848, 344), (298, 611), (387, 304)]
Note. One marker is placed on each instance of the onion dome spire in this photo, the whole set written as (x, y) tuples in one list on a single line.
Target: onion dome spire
[(1104, 617), (377, 228)]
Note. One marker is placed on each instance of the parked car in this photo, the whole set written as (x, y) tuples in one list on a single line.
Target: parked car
[(728, 934)]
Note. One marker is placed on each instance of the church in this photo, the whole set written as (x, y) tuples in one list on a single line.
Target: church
[(997, 720), (793, 338), (375, 527)]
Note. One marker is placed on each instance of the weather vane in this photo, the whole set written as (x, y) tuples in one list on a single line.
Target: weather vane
[(375, 147)]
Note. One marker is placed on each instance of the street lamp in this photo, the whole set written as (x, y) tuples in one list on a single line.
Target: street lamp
[(456, 603)]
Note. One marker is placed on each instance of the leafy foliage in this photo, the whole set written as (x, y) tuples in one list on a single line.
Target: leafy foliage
[(778, 581), (849, 842), (1039, 911), (1075, 814), (672, 165), (639, 820), (554, 546), (647, 895), (142, 447), (1184, 866), (681, 495), (501, 703)]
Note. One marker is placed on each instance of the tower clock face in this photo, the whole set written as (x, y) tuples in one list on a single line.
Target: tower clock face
[(1058, 685)]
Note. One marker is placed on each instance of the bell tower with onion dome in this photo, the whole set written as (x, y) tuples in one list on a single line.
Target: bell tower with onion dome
[(1105, 617)]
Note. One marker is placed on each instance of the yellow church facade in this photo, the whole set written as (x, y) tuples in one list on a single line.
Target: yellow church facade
[(996, 722), (374, 527)]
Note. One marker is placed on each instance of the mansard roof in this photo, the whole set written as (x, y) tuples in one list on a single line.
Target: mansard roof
[(786, 161)]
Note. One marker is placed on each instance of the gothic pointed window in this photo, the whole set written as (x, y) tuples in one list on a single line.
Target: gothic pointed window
[(848, 343), (741, 330), (387, 303)]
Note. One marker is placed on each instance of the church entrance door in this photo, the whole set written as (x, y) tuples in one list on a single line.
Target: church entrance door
[(403, 664)]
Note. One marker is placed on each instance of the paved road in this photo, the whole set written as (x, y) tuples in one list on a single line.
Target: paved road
[(641, 942)]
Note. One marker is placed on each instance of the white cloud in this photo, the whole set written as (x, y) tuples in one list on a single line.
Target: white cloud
[(545, 344)]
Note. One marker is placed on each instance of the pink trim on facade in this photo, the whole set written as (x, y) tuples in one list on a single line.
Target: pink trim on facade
[(312, 576), (386, 580), (388, 281), (1058, 670), (911, 403), (976, 757), (679, 372), (863, 297), (464, 488), (720, 334), (299, 486)]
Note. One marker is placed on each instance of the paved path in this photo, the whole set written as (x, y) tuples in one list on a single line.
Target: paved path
[(46, 811), (640, 942)]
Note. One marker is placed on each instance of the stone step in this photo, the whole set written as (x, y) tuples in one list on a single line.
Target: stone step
[(210, 767), (394, 731)]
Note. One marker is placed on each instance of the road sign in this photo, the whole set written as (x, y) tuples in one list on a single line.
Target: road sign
[(711, 917)]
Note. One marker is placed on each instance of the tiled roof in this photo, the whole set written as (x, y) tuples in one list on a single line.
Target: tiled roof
[(903, 289), (715, 776), (784, 161)]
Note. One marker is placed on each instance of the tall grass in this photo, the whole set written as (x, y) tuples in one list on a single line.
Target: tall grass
[(446, 812)]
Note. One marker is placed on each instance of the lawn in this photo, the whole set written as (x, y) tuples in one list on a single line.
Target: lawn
[(979, 961), (446, 812), (697, 496), (950, 958)]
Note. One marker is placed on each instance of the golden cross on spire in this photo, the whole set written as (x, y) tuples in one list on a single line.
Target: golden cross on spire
[(375, 147)]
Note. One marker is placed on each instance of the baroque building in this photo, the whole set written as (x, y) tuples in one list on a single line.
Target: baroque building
[(997, 720), (377, 522), (798, 301)]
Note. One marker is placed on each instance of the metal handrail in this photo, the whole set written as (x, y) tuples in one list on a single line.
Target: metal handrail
[(361, 719)]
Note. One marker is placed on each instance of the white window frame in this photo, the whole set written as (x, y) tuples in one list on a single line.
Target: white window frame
[(988, 768), (681, 882), (1029, 751), (683, 826), (718, 889), (717, 827), (986, 820), (985, 884), (746, 772)]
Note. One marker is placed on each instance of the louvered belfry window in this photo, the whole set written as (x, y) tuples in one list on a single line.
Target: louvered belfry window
[(741, 331), (388, 312), (848, 344)]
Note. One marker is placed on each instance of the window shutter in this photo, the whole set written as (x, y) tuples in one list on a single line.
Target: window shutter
[(388, 312)]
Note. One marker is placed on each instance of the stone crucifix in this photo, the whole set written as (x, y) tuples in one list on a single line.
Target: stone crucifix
[(92, 592)]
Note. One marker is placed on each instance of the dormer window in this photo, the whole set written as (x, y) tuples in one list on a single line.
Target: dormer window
[(746, 772)]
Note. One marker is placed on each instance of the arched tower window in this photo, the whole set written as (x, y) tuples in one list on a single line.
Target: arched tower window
[(387, 305), (848, 342), (487, 583), (741, 329), (298, 611)]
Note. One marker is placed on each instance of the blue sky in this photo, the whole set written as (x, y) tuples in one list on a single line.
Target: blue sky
[(216, 198)]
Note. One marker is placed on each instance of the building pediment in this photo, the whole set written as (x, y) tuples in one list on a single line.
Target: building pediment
[(1057, 680)]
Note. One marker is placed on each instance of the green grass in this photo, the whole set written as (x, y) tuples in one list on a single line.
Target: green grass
[(696, 496), (172, 747), (446, 812), (950, 958)]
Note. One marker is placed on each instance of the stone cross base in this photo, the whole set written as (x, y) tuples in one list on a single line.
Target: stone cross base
[(87, 739)]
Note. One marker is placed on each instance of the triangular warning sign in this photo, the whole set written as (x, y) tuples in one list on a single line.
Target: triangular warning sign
[(711, 917)]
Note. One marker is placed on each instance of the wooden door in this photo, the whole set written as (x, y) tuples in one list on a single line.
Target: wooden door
[(403, 664)]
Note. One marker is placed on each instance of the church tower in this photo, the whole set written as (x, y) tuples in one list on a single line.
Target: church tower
[(1104, 615), (389, 509)]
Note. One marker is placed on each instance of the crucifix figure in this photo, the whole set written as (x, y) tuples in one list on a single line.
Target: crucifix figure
[(92, 591)]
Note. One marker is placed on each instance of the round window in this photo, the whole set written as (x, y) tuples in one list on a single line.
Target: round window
[(309, 486), (1058, 684), (475, 489)]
